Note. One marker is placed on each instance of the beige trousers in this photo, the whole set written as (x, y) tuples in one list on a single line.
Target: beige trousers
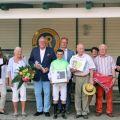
[(2, 95), (80, 98)]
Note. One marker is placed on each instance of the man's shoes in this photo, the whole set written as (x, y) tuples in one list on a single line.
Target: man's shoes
[(85, 116), (98, 114), (109, 114), (78, 116), (59, 111), (2, 113), (38, 113), (55, 116), (68, 112), (64, 116), (47, 114)]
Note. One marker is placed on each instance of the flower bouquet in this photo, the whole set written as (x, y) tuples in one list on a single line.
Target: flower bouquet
[(25, 74)]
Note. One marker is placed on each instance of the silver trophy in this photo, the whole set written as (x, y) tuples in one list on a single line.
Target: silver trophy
[(40, 66)]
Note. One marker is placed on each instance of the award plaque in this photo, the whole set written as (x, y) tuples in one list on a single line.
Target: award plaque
[(59, 76)]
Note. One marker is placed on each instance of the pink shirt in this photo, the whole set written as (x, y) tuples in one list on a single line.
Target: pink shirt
[(104, 64)]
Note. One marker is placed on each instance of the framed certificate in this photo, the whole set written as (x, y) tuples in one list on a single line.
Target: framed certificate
[(59, 76), (79, 65)]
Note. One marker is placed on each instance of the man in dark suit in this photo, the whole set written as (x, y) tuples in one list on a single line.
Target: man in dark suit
[(42, 57), (67, 56)]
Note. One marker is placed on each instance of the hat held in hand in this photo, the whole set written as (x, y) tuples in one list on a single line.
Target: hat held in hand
[(89, 89)]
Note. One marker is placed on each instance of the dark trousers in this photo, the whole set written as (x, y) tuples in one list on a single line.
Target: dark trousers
[(69, 90)]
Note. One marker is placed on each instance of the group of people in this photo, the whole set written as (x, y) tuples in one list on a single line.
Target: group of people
[(49, 65)]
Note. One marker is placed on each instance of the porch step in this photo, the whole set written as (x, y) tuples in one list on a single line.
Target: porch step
[(31, 97)]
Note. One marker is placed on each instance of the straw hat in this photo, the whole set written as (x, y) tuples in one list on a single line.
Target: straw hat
[(89, 89)]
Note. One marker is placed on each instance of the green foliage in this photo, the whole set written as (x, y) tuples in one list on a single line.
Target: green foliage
[(17, 78), (20, 84)]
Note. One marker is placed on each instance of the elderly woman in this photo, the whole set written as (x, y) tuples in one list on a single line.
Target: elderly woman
[(14, 63)]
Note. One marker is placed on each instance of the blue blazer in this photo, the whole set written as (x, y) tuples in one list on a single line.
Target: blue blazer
[(48, 58), (70, 53)]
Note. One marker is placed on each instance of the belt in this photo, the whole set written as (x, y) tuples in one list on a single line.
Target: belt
[(82, 75)]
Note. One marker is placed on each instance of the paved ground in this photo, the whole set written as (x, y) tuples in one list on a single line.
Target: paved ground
[(31, 109)]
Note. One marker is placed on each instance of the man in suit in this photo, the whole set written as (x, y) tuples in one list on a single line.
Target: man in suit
[(42, 57), (67, 56)]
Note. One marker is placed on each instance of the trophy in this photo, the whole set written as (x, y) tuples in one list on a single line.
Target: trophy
[(40, 66)]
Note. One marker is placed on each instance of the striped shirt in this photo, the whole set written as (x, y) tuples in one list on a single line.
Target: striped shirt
[(104, 64)]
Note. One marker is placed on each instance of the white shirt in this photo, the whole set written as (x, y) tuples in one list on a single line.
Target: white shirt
[(14, 67), (4, 74), (42, 53), (89, 63), (65, 54)]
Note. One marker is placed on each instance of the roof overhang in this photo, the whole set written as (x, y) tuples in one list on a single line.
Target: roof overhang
[(34, 13), (59, 1)]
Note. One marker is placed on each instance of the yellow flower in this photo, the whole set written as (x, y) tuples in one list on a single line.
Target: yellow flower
[(20, 73)]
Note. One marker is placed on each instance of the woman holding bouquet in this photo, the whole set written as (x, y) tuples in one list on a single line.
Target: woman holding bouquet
[(13, 66)]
